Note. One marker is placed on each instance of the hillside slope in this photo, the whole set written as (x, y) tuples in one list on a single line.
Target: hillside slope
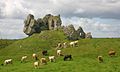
[(84, 55), (5, 42)]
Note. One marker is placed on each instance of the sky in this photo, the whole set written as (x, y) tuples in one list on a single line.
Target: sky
[(100, 17)]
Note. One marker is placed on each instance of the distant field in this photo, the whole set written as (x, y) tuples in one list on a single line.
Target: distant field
[(5, 42), (84, 55)]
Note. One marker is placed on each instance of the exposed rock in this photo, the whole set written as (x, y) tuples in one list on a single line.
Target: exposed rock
[(49, 22), (42, 24), (73, 34), (30, 25), (81, 32), (88, 35), (69, 30), (53, 22)]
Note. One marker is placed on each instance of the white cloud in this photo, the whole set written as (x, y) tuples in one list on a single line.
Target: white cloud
[(80, 8), (78, 12), (11, 29), (14, 9), (97, 28)]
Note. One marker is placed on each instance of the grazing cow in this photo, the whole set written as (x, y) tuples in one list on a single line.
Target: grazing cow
[(67, 57), (59, 45), (52, 58), (43, 61), (44, 52), (36, 64), (35, 56), (112, 53), (8, 61), (23, 59), (74, 43), (65, 44), (59, 53), (100, 59)]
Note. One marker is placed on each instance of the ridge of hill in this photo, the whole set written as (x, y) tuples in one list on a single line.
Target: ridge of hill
[(5, 42)]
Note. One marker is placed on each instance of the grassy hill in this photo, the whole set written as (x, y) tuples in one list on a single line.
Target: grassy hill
[(84, 55), (5, 42)]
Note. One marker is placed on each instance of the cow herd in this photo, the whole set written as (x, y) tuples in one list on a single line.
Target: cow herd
[(111, 53), (42, 61), (65, 44)]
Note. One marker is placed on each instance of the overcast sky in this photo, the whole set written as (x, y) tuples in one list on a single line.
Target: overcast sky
[(100, 17)]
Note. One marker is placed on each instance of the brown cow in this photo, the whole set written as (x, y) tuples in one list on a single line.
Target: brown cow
[(43, 61), (112, 53)]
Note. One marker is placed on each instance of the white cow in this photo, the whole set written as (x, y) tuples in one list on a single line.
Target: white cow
[(23, 59), (36, 64), (65, 44), (52, 58), (74, 43), (34, 56), (59, 52), (100, 59), (8, 61), (59, 45)]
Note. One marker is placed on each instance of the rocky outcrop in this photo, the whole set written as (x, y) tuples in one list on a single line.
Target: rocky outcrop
[(49, 22), (73, 34), (88, 35), (70, 32), (30, 25), (52, 22), (81, 32)]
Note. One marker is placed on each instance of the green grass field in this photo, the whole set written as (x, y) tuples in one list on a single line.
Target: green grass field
[(84, 55), (5, 42)]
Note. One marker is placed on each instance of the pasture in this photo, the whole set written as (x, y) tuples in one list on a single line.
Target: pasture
[(84, 54)]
